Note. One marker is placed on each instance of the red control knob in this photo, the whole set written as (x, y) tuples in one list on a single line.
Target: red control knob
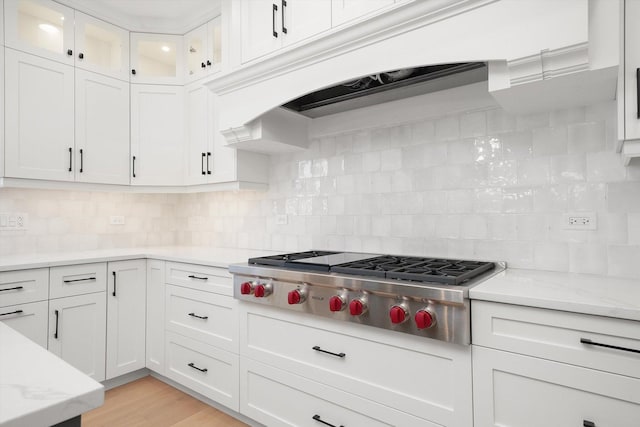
[(424, 319), (336, 303), (261, 291), (398, 314), (295, 297), (246, 288), (357, 307)]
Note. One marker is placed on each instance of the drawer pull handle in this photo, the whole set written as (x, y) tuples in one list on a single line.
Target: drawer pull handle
[(615, 347), (55, 334), (191, 276), (320, 420), (11, 312), (317, 348), (199, 317), (191, 365), (79, 280), (587, 423), (15, 288), (114, 283)]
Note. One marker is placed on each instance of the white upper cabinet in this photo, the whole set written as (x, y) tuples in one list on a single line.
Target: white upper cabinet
[(101, 47), (202, 50), (102, 129), (629, 84), (40, 138), (156, 59), (346, 10), (269, 26), (42, 28), (2, 22)]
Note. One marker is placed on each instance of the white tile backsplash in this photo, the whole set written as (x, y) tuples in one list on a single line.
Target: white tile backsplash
[(481, 184)]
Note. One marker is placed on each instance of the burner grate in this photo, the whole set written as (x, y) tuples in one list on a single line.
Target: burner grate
[(283, 259)]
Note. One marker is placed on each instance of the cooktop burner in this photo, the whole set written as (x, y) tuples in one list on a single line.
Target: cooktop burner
[(438, 270)]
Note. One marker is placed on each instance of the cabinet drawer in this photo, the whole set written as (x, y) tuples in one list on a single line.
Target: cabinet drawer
[(210, 318), (512, 390), (277, 398), (208, 279), (77, 279), (355, 358), (23, 286), (28, 319), (557, 335), (205, 369)]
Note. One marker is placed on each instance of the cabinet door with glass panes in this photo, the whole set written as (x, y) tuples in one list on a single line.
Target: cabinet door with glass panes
[(202, 50), (101, 47), (156, 59), (43, 28)]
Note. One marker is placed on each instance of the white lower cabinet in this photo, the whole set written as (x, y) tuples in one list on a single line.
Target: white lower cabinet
[(512, 390), (28, 319), (276, 397), (155, 316), (77, 332), (126, 300)]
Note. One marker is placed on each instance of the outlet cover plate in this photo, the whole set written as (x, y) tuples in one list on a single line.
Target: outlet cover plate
[(580, 221)]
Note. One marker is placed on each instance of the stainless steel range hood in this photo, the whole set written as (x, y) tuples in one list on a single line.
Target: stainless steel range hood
[(387, 86)]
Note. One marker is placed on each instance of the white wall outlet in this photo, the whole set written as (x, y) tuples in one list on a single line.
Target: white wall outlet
[(116, 220), (14, 221), (281, 219), (22, 221), (580, 221)]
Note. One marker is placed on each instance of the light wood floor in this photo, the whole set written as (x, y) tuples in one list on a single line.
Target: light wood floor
[(149, 402)]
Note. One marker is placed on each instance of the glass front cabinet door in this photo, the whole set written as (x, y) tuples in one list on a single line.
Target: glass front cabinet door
[(202, 48), (155, 59)]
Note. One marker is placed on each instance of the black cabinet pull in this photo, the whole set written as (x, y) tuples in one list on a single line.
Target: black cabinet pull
[(191, 276), (317, 348), (133, 71), (273, 20), (587, 423), (134, 166), (15, 288), (615, 347), (208, 63), (191, 365), (203, 65), (284, 28), (81, 55), (11, 312), (208, 168), (69, 52), (202, 164), (70, 158), (638, 91), (114, 283), (199, 317), (320, 420), (55, 334), (81, 160), (86, 279)]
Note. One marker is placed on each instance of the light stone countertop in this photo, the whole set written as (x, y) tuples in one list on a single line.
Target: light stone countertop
[(39, 389), (578, 293)]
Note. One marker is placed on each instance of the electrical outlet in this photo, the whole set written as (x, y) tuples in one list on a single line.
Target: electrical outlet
[(22, 221), (116, 220), (14, 221), (580, 221), (281, 219)]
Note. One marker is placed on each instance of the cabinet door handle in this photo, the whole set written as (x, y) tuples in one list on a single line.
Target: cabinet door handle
[(69, 52), (86, 279), (134, 166), (208, 169), (208, 63), (133, 71), (55, 334), (15, 288), (614, 347), (638, 91), (192, 365), (317, 348), (321, 421), (273, 20), (81, 160), (81, 55), (199, 317), (587, 423), (191, 276), (114, 283), (70, 158), (203, 65), (202, 164), (284, 5), (11, 312)]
